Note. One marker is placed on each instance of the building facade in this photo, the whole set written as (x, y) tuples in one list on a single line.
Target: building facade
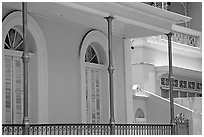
[(69, 58), (150, 68)]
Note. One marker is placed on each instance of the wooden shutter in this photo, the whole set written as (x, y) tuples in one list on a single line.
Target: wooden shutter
[(13, 89), (18, 89), (8, 89), (93, 95), (97, 86)]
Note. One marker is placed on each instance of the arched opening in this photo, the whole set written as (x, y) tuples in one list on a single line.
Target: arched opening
[(94, 78), (140, 116), (12, 70), (139, 113)]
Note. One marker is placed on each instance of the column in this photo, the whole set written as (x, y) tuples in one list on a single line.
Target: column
[(110, 71), (169, 35), (25, 58)]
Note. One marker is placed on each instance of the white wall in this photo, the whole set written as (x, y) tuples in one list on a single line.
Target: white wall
[(63, 41), (144, 75), (140, 102), (158, 111), (119, 77)]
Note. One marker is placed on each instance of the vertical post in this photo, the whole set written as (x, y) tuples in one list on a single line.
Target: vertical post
[(25, 58), (169, 35), (110, 71)]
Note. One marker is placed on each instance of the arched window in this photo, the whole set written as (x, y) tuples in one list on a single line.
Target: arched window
[(139, 113), (13, 76), (94, 76), (12, 48), (91, 56), (13, 41)]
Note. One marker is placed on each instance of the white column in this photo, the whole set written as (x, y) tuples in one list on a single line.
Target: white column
[(128, 82)]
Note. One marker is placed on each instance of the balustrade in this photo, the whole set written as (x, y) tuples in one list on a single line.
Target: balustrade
[(88, 129), (183, 38)]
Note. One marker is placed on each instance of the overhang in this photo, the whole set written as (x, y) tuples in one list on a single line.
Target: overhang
[(132, 20)]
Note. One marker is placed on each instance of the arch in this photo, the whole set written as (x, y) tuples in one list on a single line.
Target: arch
[(15, 19), (99, 42), (139, 113)]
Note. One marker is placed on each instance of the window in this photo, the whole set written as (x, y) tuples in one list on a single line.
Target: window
[(94, 83), (13, 77), (13, 41), (183, 94), (92, 87), (91, 55), (181, 88), (165, 93), (139, 113)]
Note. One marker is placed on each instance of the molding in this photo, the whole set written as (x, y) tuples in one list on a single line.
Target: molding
[(100, 38), (186, 30), (159, 44), (180, 71), (15, 19)]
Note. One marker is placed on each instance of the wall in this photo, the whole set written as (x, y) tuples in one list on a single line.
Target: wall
[(196, 105), (63, 41), (33, 83), (146, 50), (119, 74), (140, 102), (158, 111), (143, 74)]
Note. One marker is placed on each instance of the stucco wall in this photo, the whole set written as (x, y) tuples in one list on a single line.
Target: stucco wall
[(196, 105), (158, 111), (120, 102), (33, 93), (139, 102), (144, 75), (63, 41)]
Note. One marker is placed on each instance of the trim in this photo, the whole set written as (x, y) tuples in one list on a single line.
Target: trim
[(90, 36), (14, 19)]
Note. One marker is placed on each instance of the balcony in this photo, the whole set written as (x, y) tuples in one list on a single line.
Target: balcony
[(182, 35), (185, 36), (88, 129), (162, 5)]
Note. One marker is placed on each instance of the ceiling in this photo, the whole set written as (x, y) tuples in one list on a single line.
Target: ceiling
[(132, 20)]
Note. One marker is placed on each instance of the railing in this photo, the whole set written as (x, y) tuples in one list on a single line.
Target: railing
[(12, 129), (142, 129), (183, 38), (88, 129), (161, 5)]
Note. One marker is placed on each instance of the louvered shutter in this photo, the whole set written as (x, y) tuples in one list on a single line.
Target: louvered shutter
[(18, 89), (8, 89), (92, 95)]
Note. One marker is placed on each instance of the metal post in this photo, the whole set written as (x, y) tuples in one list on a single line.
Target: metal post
[(169, 35), (110, 71), (25, 58)]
